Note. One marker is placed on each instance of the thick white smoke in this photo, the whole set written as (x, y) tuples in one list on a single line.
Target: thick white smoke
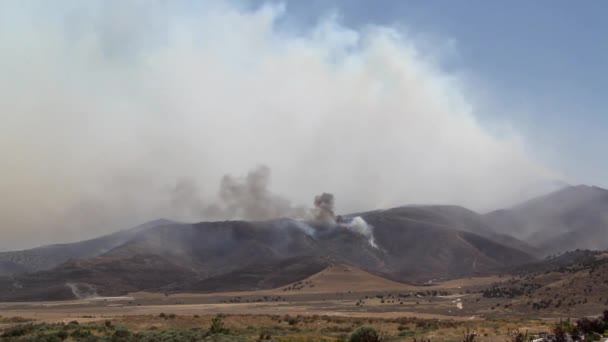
[(106, 106), (359, 226)]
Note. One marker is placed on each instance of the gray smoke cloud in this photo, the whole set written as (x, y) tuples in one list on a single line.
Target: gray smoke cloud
[(250, 198), (247, 198), (324, 208), (118, 112)]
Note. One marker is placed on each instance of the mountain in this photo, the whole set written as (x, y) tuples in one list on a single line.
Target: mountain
[(458, 218), (572, 284), (47, 257), (409, 244), (575, 217)]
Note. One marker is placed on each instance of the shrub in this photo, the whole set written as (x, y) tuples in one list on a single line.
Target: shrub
[(80, 333), (517, 336), (217, 327), (589, 326), (407, 333), (121, 335), (19, 330), (560, 334), (62, 335), (265, 336), (364, 334), (468, 336)]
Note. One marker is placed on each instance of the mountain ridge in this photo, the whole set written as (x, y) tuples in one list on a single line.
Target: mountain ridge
[(411, 244)]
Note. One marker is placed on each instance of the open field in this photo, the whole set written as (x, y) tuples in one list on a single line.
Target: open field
[(294, 327), (338, 291), (325, 306)]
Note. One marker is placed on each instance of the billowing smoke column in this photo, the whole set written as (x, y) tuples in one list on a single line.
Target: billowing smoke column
[(250, 198), (358, 225), (245, 198), (324, 208), (324, 212)]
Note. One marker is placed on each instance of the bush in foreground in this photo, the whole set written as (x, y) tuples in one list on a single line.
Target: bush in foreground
[(365, 334)]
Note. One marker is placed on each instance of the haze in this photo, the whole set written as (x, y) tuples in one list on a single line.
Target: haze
[(115, 113)]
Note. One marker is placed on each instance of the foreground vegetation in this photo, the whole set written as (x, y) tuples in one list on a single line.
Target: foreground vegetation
[(169, 327)]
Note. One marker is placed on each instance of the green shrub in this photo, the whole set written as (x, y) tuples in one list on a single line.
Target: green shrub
[(80, 334), (364, 334), (407, 333), (121, 334), (217, 327), (62, 334), (19, 330)]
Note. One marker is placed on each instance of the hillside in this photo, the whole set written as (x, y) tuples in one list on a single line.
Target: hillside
[(47, 257), (343, 278), (411, 245), (572, 218), (572, 284)]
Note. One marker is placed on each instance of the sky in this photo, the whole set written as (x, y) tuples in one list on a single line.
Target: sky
[(115, 113), (544, 62)]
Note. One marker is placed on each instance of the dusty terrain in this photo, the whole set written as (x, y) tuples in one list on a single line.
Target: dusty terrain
[(338, 290), (327, 305)]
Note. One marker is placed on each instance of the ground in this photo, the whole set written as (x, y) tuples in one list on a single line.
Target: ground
[(328, 305)]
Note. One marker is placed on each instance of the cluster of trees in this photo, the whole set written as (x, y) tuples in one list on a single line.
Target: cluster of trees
[(524, 289), (299, 285), (239, 299), (587, 329)]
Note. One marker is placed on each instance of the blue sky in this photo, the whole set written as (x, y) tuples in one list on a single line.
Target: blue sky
[(544, 64)]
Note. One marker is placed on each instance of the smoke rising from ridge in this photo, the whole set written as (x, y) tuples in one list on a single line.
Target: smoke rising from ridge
[(115, 113), (250, 198), (324, 208)]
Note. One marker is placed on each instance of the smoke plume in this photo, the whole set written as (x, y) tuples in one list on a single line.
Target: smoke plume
[(114, 113), (250, 198), (324, 208), (359, 226)]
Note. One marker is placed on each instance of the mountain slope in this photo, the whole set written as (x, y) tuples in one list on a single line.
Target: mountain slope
[(572, 218), (458, 218), (412, 245), (47, 257), (420, 250)]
